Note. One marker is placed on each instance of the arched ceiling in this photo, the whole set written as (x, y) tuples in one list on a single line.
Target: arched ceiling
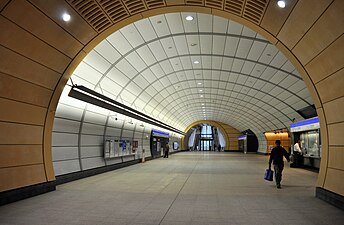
[(241, 79)]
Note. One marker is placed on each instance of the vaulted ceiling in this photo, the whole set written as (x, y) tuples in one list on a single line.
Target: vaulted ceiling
[(208, 68)]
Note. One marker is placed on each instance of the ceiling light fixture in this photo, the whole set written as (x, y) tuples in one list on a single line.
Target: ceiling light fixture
[(199, 83), (201, 96), (193, 44), (189, 18), (281, 4), (196, 62), (66, 17), (200, 90)]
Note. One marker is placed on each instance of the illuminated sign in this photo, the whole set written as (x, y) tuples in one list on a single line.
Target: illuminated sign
[(311, 124), (160, 133), (243, 137)]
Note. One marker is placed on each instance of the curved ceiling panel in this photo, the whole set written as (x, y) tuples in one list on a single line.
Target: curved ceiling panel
[(183, 71)]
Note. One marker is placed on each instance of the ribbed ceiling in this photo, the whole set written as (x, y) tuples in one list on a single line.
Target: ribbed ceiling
[(241, 79)]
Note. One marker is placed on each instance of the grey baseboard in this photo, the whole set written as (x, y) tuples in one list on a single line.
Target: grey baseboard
[(10, 196), (330, 197)]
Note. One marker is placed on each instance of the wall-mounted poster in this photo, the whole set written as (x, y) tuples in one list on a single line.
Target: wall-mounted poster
[(135, 146), (116, 148), (175, 145)]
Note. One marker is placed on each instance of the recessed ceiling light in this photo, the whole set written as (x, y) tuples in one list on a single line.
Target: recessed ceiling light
[(189, 18), (66, 17), (200, 90), (199, 83), (196, 62), (169, 47), (159, 21), (193, 44), (281, 4), (202, 103), (268, 54), (201, 96)]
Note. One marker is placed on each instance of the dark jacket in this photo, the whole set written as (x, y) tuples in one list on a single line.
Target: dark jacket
[(277, 154)]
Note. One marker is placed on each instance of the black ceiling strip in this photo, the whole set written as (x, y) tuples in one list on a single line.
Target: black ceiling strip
[(85, 89), (89, 99)]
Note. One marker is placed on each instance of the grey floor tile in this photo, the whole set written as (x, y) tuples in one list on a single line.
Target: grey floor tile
[(189, 188)]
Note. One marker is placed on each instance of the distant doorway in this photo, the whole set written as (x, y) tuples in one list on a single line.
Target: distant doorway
[(206, 145)]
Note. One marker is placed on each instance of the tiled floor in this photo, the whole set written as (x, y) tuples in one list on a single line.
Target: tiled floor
[(188, 188)]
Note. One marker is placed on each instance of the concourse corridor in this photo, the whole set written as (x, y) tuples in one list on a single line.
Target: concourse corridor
[(187, 188)]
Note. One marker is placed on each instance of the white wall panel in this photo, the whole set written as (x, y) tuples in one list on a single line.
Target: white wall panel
[(67, 126), (89, 163), (112, 122), (94, 118), (88, 128), (97, 61), (127, 134), (64, 139), (65, 167), (111, 131), (93, 151), (128, 158), (132, 35), (64, 153), (114, 161), (108, 51), (91, 140), (87, 73), (119, 42)]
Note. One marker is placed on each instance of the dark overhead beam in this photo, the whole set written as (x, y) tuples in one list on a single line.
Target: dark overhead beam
[(87, 95)]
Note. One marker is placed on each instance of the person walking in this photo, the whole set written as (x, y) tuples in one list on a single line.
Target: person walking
[(276, 157), (166, 150)]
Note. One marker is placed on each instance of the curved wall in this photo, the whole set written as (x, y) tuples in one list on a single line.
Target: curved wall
[(39, 54), (80, 130)]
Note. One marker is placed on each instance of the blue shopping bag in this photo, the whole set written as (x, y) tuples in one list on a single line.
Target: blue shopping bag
[(269, 174)]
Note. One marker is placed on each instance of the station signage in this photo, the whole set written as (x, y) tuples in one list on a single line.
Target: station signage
[(310, 124)]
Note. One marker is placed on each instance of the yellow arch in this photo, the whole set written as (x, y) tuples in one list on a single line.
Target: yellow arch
[(199, 9), (225, 129), (318, 59)]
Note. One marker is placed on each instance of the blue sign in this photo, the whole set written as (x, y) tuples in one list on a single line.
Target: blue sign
[(311, 124), (242, 137), (160, 133), (305, 122)]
